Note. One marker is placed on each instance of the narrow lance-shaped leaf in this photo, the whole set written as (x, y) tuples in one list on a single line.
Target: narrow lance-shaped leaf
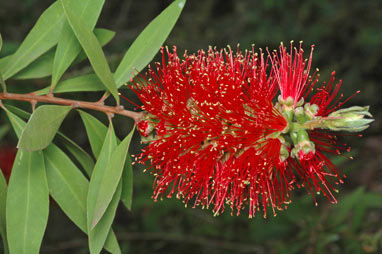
[(109, 180), (84, 83), (103, 35), (2, 83), (27, 205), (95, 130), (147, 44), (68, 46), (17, 111), (43, 36), (42, 66), (102, 230), (3, 62), (3, 198), (81, 156), (111, 243), (97, 236), (91, 47), (17, 124), (127, 183), (42, 127), (69, 187)]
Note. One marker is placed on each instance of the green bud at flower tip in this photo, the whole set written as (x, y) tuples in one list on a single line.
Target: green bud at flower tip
[(349, 119), (299, 114), (300, 102), (289, 101), (284, 153)]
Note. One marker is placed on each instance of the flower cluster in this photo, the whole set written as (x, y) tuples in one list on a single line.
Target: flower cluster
[(218, 134)]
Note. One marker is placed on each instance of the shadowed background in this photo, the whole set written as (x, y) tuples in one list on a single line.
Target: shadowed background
[(348, 38)]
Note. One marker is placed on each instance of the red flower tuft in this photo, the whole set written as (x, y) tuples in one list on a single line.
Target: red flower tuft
[(215, 137), (292, 72)]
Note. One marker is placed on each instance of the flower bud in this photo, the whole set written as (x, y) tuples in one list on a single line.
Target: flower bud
[(349, 119), (284, 153), (299, 114), (145, 128), (311, 110)]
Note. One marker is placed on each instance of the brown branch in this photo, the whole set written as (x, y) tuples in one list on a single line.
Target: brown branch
[(31, 98)]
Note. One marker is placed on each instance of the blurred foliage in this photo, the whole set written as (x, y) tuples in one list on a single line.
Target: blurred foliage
[(348, 39)]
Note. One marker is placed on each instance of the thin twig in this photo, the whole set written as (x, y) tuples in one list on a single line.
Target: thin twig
[(103, 98), (136, 116)]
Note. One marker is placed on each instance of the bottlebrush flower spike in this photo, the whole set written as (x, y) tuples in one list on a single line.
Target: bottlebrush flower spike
[(309, 121), (215, 137)]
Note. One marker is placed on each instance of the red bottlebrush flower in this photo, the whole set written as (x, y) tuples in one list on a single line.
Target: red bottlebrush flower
[(215, 137), (7, 157), (215, 120), (308, 121)]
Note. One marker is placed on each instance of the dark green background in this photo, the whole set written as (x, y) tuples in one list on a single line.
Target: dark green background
[(348, 39)]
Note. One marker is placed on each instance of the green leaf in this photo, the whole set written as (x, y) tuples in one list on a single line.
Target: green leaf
[(68, 47), (127, 183), (85, 83), (69, 188), (99, 172), (104, 36), (98, 235), (91, 47), (3, 62), (111, 242), (108, 180), (3, 198), (147, 44), (17, 124), (21, 113), (42, 127), (43, 36), (2, 83), (67, 185), (42, 66), (82, 157), (27, 206), (102, 229), (95, 130)]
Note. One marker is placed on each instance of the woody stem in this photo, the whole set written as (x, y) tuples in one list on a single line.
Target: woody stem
[(32, 98)]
